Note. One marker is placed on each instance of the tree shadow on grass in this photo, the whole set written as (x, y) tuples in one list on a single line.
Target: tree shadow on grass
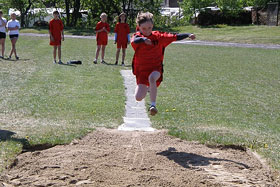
[(189, 160), (6, 135)]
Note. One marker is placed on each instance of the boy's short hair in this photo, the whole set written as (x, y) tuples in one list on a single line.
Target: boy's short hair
[(55, 12), (122, 15), (103, 14), (1, 12), (143, 17)]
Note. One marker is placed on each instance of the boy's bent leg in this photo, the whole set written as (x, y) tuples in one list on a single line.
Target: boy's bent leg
[(141, 92), (154, 76)]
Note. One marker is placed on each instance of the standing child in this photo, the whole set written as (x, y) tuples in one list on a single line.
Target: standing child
[(122, 37), (56, 35), (148, 58), (3, 23), (102, 29), (13, 28)]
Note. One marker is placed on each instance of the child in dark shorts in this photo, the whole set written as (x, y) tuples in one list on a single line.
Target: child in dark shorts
[(13, 28)]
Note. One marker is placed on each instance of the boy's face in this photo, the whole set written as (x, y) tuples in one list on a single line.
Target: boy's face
[(103, 18), (122, 18), (55, 15), (13, 16), (146, 28)]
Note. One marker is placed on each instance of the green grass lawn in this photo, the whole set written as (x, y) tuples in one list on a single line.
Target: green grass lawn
[(214, 95), (251, 34), (46, 103)]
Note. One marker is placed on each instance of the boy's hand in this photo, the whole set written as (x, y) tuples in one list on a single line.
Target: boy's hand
[(62, 38), (192, 36), (51, 37), (148, 42)]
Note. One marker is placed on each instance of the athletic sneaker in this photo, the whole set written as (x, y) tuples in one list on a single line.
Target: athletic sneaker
[(116, 63), (60, 62), (103, 62), (95, 61), (153, 110), (17, 57), (54, 61), (9, 57), (122, 63), (2, 57)]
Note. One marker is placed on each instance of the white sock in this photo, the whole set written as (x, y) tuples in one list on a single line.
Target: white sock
[(153, 103)]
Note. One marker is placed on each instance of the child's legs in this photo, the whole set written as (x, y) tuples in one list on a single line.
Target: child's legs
[(141, 92), (59, 52), (54, 52), (118, 54), (154, 76), (97, 52), (13, 41), (103, 51), (123, 54), (2, 42)]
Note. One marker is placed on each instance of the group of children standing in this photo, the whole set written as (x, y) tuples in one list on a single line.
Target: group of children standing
[(13, 31), (102, 29)]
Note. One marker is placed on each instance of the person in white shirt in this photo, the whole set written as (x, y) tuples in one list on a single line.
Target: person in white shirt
[(13, 28), (3, 23)]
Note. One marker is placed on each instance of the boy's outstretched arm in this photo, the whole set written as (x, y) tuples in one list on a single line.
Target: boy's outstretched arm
[(139, 39), (185, 35)]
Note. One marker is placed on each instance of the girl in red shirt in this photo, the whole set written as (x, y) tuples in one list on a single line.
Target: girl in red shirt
[(122, 37), (102, 29), (147, 62), (56, 35)]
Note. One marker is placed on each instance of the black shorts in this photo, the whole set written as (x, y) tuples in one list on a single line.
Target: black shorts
[(2, 35), (13, 36)]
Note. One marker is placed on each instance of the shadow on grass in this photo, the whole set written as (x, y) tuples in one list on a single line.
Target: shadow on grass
[(187, 160), (219, 26), (6, 135), (109, 64)]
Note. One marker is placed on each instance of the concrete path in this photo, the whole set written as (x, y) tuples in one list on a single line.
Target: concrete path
[(227, 44), (136, 117), (187, 42)]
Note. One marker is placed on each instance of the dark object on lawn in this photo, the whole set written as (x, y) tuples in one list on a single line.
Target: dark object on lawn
[(41, 24), (74, 62)]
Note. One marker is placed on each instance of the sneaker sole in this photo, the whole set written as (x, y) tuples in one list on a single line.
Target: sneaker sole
[(153, 111)]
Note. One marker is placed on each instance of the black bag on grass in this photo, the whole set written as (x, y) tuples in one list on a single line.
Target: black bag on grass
[(74, 62)]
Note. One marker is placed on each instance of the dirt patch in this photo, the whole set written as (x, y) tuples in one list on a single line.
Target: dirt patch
[(116, 158)]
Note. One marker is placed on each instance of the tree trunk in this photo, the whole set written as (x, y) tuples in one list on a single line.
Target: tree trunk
[(76, 12), (67, 9)]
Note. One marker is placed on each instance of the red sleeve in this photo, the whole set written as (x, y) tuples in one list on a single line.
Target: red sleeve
[(167, 38), (135, 46), (98, 26)]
